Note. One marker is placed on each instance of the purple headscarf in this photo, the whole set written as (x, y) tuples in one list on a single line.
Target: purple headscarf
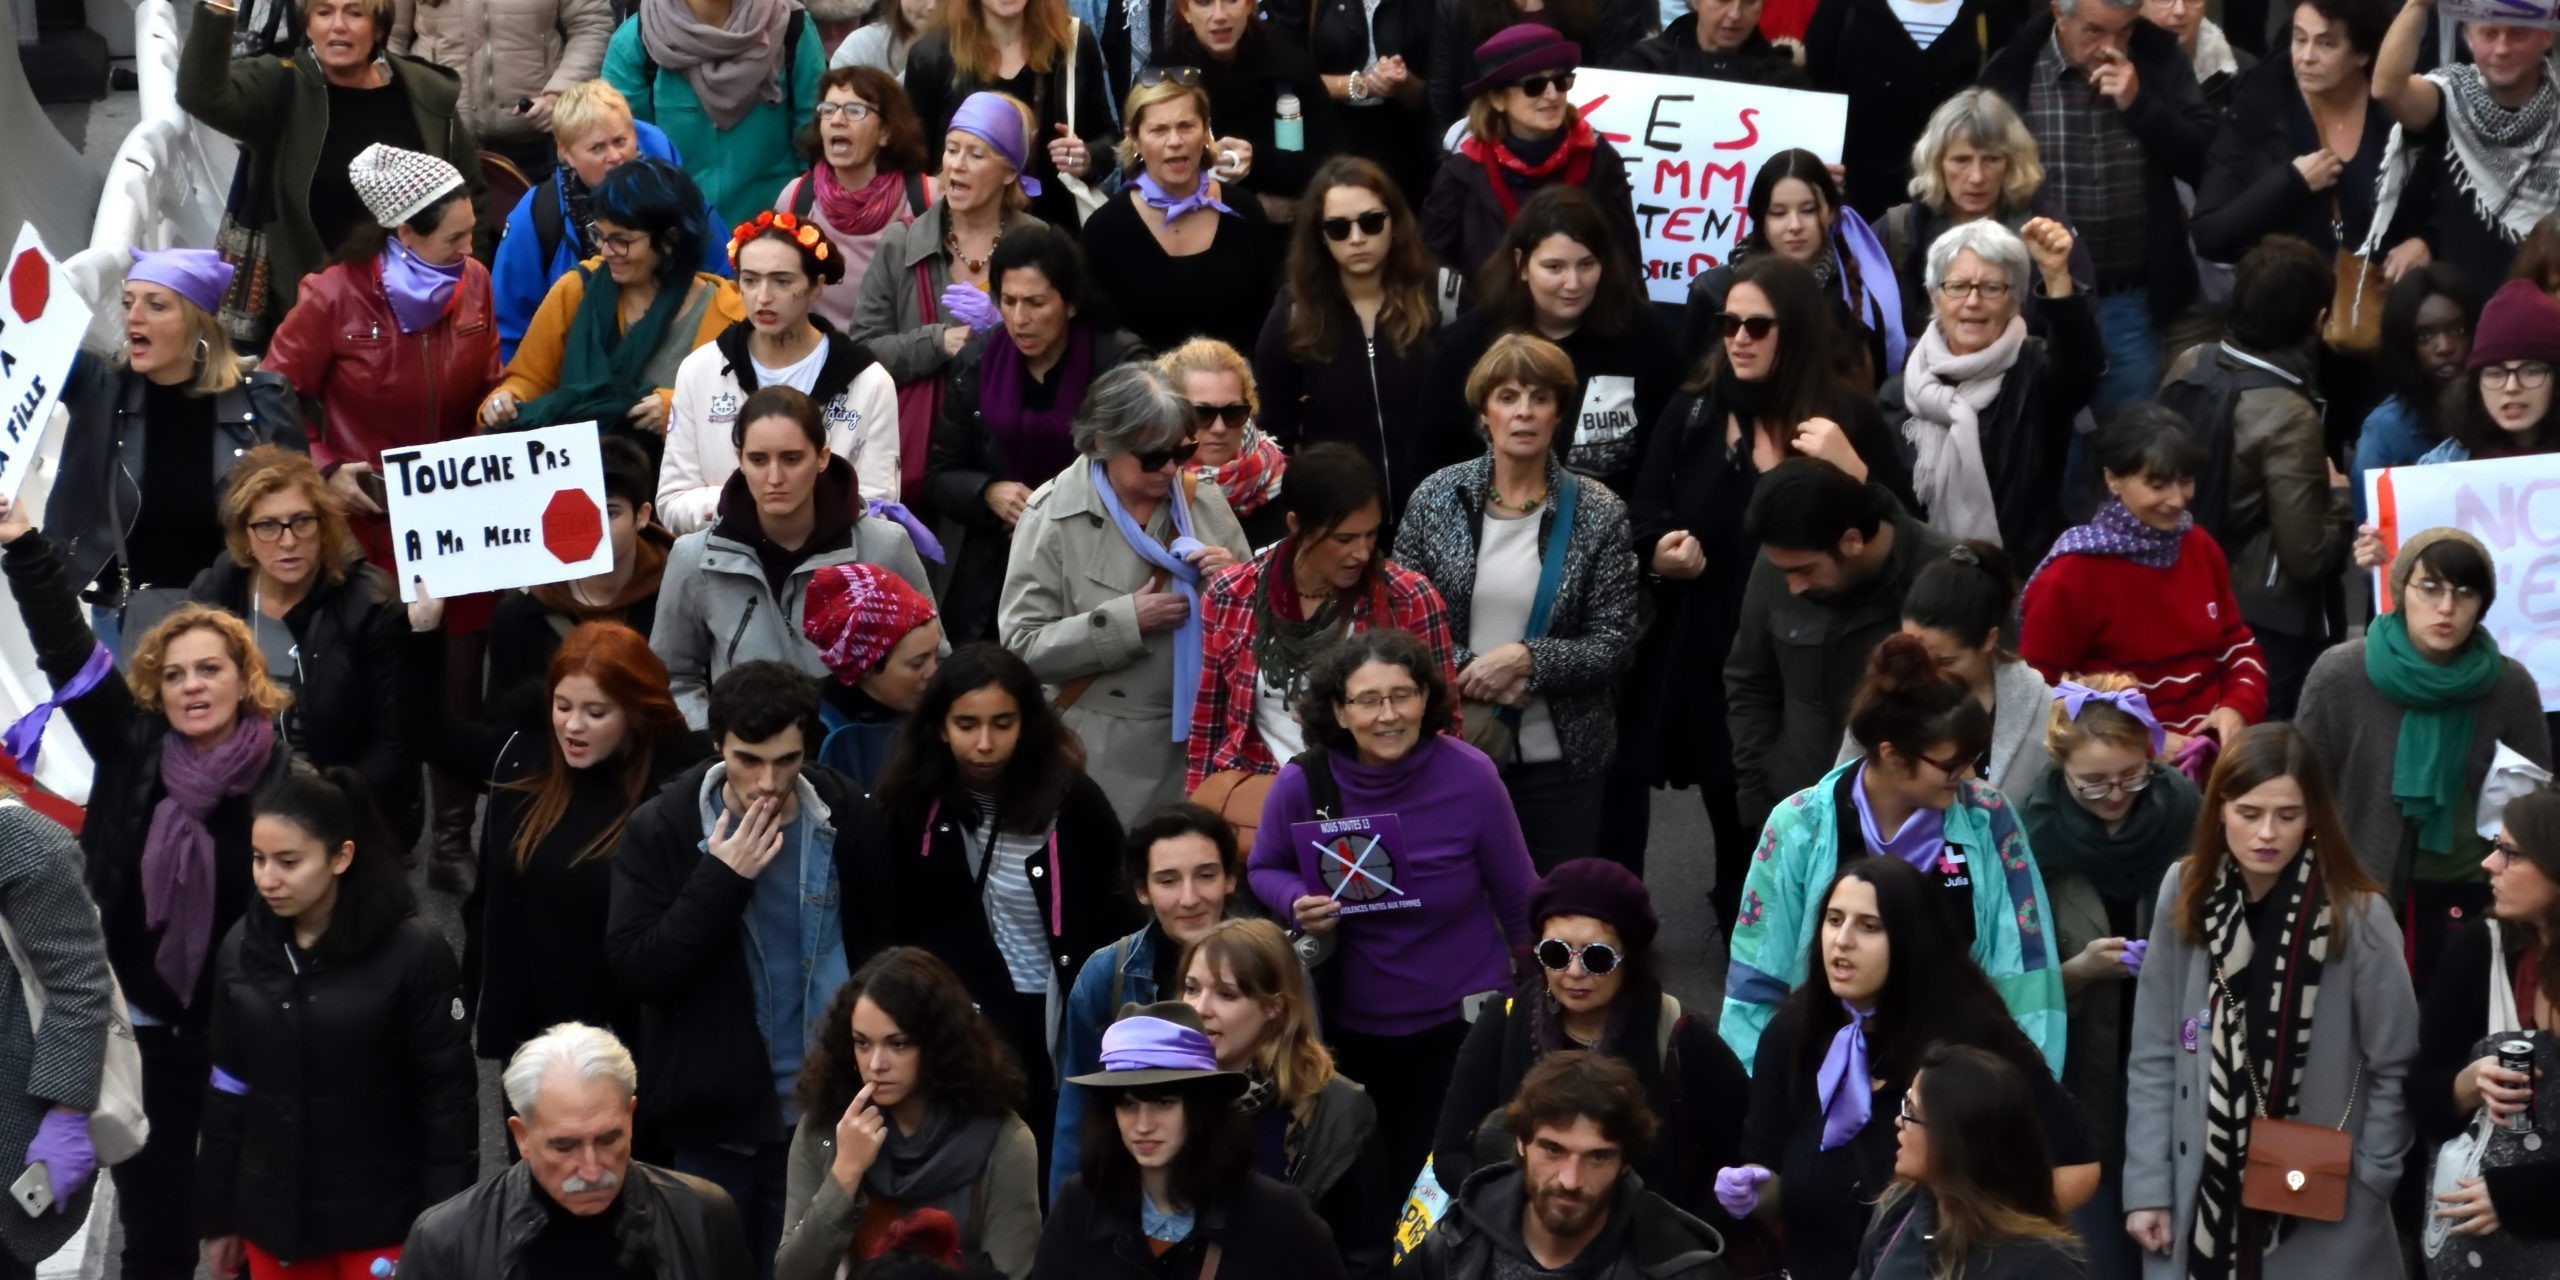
[(993, 119), (198, 275)]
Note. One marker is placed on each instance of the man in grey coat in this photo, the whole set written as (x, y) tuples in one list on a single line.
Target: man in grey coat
[(1836, 557)]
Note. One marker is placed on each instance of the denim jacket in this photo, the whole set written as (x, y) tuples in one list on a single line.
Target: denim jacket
[(1127, 967), (820, 940)]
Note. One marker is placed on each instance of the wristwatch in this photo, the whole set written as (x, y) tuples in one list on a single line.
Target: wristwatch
[(1359, 87)]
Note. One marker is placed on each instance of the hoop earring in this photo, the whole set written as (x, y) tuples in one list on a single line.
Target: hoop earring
[(204, 352)]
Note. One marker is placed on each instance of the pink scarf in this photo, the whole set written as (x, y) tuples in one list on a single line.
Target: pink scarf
[(859, 213)]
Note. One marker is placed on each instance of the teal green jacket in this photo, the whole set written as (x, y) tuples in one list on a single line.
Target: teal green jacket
[(1799, 853), (739, 169)]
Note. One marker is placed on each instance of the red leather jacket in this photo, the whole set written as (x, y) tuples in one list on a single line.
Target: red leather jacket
[(379, 388)]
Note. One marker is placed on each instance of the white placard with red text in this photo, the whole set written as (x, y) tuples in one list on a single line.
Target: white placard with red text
[(1692, 147), (41, 321)]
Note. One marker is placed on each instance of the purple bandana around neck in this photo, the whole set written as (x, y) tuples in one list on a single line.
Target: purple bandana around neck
[(1154, 195), (1036, 443), (419, 291), (1922, 837), (1844, 1083), (2116, 531)]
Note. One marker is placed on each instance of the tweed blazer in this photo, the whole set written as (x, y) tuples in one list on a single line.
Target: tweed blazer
[(48, 907)]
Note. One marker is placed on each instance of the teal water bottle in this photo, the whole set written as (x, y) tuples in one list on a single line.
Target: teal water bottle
[(1289, 129)]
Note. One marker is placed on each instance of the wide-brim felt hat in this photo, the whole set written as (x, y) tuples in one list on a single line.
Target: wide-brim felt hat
[(1159, 1044)]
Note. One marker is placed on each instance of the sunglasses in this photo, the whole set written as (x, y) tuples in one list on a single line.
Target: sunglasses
[(1187, 77), (1231, 414), (1759, 327), (1155, 459), (1537, 86), (1372, 223), (1599, 959)]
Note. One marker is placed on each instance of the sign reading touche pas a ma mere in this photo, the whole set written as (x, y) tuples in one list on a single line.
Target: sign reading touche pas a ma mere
[(486, 513)]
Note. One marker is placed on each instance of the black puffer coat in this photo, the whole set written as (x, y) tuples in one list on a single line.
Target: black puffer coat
[(124, 739), (356, 1104)]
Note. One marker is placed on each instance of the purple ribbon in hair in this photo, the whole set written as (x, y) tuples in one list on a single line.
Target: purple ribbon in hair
[(24, 737), (1846, 1089), (2074, 695), (926, 544)]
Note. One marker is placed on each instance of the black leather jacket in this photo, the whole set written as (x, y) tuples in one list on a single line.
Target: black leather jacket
[(687, 1228)]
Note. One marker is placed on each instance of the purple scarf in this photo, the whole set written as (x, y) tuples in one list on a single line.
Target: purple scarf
[(2117, 531), (1922, 838), (1844, 1084), (1037, 443), (419, 290), (177, 857), (1156, 197)]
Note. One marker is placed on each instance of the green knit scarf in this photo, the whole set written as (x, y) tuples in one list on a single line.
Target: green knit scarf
[(2437, 703)]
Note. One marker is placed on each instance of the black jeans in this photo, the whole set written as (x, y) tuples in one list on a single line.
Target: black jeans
[(1559, 817), (1407, 1077), (155, 1190)]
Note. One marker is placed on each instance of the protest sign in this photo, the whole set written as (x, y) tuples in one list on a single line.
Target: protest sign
[(40, 328), (485, 513), (2512, 505), (1423, 1207), (2513, 13), (1353, 861), (1692, 147)]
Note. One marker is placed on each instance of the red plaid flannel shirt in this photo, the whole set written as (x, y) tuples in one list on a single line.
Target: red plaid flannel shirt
[(1222, 732)]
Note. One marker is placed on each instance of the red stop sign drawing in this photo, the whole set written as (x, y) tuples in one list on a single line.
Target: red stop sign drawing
[(571, 526), (30, 285)]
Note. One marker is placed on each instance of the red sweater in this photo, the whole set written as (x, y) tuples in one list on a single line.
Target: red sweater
[(2176, 630)]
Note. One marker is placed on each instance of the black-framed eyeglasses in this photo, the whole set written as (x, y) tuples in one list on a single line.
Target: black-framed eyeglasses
[(1908, 1116), (856, 112), (1233, 415), (300, 525), (1599, 959), (1537, 86), (1759, 327), (1372, 223), (1156, 459), (2505, 851), (1959, 290), (1187, 77), (1957, 767), (2524, 375), (2100, 789)]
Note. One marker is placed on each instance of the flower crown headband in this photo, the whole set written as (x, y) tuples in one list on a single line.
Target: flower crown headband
[(802, 233)]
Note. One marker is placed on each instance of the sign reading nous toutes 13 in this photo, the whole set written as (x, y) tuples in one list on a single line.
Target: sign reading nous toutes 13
[(1692, 147), (486, 513), (41, 321)]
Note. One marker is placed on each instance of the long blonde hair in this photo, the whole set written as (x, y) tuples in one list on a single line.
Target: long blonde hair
[(1258, 957)]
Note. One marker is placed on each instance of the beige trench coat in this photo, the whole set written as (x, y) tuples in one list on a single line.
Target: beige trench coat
[(505, 51)]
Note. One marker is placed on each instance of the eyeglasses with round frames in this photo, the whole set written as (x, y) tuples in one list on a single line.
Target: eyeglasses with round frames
[(2525, 376)]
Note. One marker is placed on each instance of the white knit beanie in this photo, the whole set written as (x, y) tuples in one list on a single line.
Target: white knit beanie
[(396, 185)]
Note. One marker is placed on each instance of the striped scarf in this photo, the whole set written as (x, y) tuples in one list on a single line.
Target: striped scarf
[(2276, 1033)]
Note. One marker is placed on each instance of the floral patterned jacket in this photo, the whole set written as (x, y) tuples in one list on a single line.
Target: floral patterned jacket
[(1591, 631), (1794, 863)]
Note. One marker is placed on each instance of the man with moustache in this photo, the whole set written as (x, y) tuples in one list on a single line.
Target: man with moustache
[(743, 895), (1573, 1204), (577, 1204)]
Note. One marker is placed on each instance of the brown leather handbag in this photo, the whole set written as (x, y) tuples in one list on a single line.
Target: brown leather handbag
[(1236, 796), (2355, 301), (2296, 1168)]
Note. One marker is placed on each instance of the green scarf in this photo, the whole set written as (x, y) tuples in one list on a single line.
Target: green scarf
[(601, 366), (2437, 702), (2124, 865)]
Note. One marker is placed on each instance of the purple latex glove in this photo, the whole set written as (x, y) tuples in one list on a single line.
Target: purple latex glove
[(2195, 759), (2133, 950), (1738, 1188), (970, 306), (62, 1146)]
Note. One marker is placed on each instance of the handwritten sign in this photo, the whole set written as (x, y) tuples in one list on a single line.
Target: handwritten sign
[(2512, 505), (40, 327), (1692, 147), (2513, 13), (486, 513)]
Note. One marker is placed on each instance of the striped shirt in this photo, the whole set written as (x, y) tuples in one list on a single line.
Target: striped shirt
[(1014, 911), (1926, 20)]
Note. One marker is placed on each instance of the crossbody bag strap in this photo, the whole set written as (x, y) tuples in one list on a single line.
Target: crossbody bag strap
[(1551, 560), (2504, 1017)]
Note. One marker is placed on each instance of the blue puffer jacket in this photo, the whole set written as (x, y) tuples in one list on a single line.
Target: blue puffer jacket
[(519, 277)]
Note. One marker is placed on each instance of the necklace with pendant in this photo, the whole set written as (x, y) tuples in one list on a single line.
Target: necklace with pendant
[(975, 266), (1524, 506)]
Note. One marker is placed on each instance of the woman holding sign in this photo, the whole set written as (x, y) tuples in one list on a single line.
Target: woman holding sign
[(2407, 718), (1006, 855), (181, 743), (1383, 841)]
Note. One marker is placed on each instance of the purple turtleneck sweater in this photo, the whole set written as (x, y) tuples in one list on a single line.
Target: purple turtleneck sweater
[(1406, 970)]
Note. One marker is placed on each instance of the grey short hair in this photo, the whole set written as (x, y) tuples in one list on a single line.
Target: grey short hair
[(1129, 410), (2069, 8), (583, 1051), (1984, 119), (1996, 245)]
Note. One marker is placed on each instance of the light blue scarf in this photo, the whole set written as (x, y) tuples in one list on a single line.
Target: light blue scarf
[(1183, 577)]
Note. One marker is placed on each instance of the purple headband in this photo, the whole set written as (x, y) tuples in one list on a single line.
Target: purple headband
[(198, 275), (1154, 1044), (993, 119), (2074, 695)]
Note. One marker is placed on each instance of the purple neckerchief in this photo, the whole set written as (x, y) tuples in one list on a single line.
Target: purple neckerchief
[(419, 290), (1846, 1089), (1873, 264), (1034, 443), (2116, 531), (1922, 837), (26, 736), (1174, 207), (2074, 695), (927, 545)]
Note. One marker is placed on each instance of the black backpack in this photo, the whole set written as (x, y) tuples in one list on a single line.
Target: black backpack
[(2207, 395)]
